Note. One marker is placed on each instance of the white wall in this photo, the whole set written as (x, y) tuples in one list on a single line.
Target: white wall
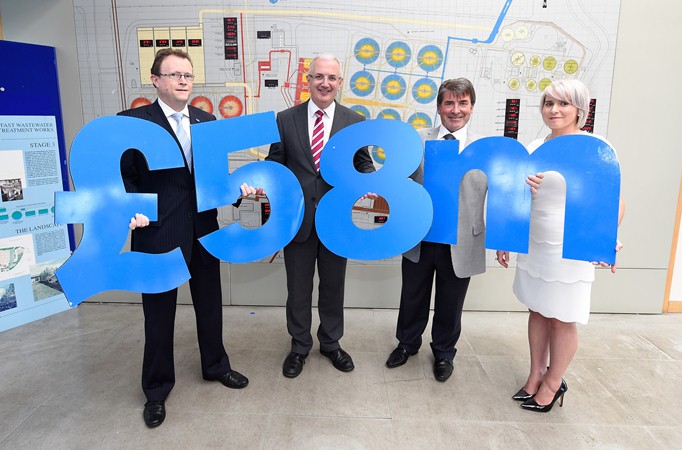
[(642, 127)]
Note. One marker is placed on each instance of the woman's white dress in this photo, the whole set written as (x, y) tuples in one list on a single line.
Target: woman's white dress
[(544, 281)]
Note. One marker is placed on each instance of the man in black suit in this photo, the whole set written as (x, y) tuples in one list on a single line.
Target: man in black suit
[(179, 224), (295, 150)]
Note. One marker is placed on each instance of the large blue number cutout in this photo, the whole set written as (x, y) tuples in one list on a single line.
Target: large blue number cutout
[(104, 208), (212, 142), (410, 205)]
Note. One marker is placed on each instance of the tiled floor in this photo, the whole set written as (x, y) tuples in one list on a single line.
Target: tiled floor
[(72, 381)]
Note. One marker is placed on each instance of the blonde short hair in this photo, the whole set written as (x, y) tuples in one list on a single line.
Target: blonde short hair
[(572, 91)]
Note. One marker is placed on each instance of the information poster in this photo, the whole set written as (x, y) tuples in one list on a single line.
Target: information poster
[(32, 247)]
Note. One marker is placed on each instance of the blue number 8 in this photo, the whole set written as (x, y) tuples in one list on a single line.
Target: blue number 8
[(410, 206)]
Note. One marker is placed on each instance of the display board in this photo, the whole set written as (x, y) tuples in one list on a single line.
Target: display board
[(32, 169), (252, 56)]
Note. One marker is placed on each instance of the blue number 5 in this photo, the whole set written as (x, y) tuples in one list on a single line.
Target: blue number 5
[(212, 142)]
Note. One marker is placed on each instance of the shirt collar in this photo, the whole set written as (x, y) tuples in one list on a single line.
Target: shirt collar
[(328, 111), (168, 111), (460, 135)]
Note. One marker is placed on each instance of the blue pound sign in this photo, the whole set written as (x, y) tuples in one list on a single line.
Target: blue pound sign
[(104, 208)]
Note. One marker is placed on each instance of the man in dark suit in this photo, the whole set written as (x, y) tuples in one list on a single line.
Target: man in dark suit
[(453, 265), (179, 224), (303, 129)]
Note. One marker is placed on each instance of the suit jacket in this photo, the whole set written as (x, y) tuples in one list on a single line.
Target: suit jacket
[(468, 256), (294, 151), (178, 223)]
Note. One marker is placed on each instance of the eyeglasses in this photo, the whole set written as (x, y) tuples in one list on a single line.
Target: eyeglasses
[(177, 76), (319, 77)]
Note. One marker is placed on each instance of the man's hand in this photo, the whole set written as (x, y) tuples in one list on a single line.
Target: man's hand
[(139, 221), (250, 190), (503, 258)]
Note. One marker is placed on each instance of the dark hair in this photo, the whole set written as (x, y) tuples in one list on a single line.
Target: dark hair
[(460, 87), (165, 53)]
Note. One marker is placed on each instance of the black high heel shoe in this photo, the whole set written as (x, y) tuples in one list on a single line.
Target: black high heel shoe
[(532, 405), (522, 396)]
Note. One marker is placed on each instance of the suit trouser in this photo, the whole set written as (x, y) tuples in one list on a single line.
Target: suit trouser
[(299, 260), (415, 300), (158, 373)]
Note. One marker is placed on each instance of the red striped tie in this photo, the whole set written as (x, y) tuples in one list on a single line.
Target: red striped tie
[(318, 138)]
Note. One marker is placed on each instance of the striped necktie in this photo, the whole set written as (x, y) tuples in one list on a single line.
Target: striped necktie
[(449, 137), (318, 138), (183, 139)]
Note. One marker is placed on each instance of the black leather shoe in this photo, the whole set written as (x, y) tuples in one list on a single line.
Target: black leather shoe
[(293, 364), (442, 369), (233, 380), (522, 395), (398, 357), (154, 413), (340, 359)]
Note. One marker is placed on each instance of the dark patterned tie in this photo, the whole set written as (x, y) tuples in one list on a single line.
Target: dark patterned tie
[(449, 137)]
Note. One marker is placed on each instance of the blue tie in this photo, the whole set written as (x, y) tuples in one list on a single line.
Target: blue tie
[(183, 139)]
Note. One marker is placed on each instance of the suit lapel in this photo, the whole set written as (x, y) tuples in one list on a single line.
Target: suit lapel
[(340, 120), (158, 117), (432, 134), (301, 126), (471, 138), (193, 119)]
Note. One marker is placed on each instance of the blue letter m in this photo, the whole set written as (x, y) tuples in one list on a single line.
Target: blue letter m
[(588, 164)]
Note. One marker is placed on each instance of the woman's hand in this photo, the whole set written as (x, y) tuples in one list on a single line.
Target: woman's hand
[(619, 245), (534, 181)]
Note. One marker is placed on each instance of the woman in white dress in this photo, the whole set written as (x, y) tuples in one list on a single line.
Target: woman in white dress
[(555, 290)]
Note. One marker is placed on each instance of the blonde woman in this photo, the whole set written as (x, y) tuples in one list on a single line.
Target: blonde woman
[(555, 290)]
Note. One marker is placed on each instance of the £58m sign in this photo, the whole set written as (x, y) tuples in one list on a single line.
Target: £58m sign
[(429, 212)]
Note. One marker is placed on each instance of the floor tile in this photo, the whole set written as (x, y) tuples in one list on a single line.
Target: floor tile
[(72, 380), (300, 432)]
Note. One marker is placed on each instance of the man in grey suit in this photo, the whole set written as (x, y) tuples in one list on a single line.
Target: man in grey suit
[(303, 130), (453, 265)]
